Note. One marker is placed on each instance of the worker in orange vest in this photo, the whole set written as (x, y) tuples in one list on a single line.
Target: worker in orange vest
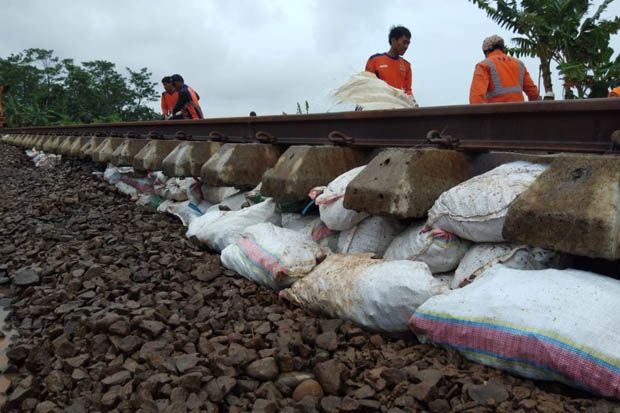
[(391, 67), (615, 92), (499, 77), (169, 97), (187, 106)]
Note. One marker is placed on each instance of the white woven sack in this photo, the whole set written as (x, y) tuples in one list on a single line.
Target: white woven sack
[(476, 209)]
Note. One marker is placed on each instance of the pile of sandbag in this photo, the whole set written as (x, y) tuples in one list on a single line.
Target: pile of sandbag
[(552, 324), (42, 159)]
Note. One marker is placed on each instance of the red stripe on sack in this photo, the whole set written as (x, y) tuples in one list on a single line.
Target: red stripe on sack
[(321, 231), (327, 199), (525, 348), (257, 255)]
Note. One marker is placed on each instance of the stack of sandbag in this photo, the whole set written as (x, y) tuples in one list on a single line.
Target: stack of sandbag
[(439, 249), (219, 229), (376, 294), (481, 257), (331, 203), (312, 226), (544, 325), (272, 256), (45, 160), (372, 235), (476, 209)]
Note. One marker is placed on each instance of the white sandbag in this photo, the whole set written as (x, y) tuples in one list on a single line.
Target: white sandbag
[(374, 234), (198, 226), (313, 226), (543, 325), (476, 209), (113, 174), (272, 256), (43, 160), (372, 93), (216, 194), (440, 250), (376, 294), (481, 257), (228, 228), (122, 187), (177, 189), (181, 210), (331, 203)]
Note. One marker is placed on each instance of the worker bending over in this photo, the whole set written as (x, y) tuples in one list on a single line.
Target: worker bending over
[(499, 77), (169, 97), (391, 67), (187, 106)]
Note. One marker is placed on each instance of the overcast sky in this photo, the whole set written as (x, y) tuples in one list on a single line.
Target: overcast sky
[(243, 55)]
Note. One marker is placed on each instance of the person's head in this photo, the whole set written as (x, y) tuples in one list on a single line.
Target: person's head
[(399, 39), (491, 43), (167, 83), (177, 81)]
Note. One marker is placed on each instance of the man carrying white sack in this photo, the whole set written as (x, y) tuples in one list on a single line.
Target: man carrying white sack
[(390, 66), (386, 82)]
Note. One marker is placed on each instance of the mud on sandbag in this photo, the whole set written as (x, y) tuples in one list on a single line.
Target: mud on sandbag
[(377, 294)]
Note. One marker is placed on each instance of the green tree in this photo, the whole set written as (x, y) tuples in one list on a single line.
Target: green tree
[(555, 30), (44, 90)]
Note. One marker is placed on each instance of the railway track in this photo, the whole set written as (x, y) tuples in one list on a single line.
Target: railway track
[(558, 126)]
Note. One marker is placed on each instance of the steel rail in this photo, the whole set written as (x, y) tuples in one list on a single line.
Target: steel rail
[(553, 126)]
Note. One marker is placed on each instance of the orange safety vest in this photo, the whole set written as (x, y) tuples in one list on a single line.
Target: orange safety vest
[(193, 107), (501, 78), (168, 100), (395, 71), (615, 92)]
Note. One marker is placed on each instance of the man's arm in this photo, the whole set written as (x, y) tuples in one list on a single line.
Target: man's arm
[(408, 81), (184, 99), (479, 85), (164, 107), (529, 87)]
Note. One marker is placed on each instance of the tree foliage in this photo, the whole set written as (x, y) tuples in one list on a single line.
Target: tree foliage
[(570, 33), (45, 90)]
